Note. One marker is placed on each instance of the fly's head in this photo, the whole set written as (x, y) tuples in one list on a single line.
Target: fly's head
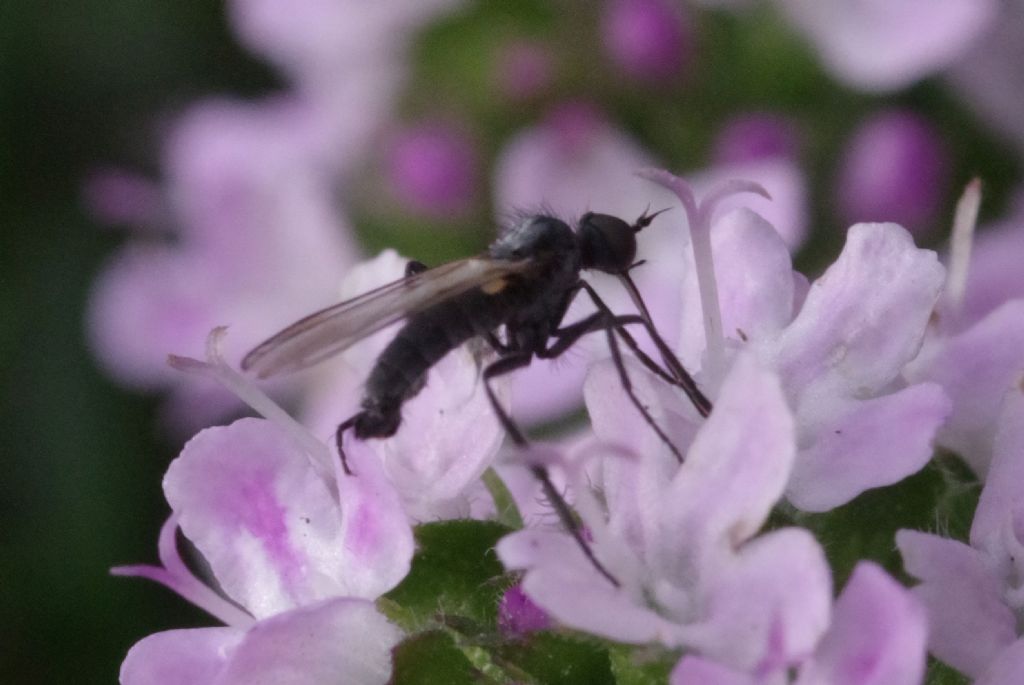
[(607, 243)]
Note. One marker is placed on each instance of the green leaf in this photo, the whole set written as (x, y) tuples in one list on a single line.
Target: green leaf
[(557, 659), (940, 498), (431, 658), (641, 665), (455, 572)]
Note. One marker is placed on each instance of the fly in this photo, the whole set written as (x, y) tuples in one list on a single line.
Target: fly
[(523, 284)]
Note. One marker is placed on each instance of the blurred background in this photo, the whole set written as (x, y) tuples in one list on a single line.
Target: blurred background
[(169, 167)]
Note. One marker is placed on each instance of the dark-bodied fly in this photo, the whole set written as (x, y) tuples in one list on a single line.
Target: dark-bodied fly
[(523, 284)]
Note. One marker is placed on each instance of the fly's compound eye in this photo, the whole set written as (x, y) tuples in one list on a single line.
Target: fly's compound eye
[(607, 243)]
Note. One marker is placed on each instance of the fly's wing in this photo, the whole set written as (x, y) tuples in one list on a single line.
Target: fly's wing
[(336, 328)]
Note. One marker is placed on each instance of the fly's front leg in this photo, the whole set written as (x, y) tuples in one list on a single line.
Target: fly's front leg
[(565, 338), (680, 378)]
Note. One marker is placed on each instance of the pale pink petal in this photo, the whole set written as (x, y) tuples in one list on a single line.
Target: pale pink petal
[(1007, 668), (269, 527), (878, 635), (779, 584), (877, 45), (180, 657), (560, 580), (861, 444), (449, 435), (994, 275), (976, 368), (376, 538), (864, 318), (693, 670), (335, 641), (968, 622), (755, 285), (1000, 504), (735, 470), (786, 209)]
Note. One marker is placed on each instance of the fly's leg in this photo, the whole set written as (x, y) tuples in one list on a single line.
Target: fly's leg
[(682, 378), (566, 337), (561, 507), (338, 436)]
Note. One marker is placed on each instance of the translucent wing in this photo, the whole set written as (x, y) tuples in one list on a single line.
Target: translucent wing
[(334, 329)]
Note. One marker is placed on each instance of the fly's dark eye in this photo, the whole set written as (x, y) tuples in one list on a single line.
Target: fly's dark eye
[(607, 243)]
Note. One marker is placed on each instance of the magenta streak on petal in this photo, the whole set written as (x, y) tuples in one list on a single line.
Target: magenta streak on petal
[(362, 534), (260, 513)]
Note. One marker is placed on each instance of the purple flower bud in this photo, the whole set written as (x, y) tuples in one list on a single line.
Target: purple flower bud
[(115, 196), (754, 136), (646, 39), (432, 169), (518, 615), (895, 168), (524, 70)]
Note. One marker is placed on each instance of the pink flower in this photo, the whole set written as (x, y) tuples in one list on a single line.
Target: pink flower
[(876, 637), (259, 239), (432, 169), (975, 346), (972, 593), (646, 39), (299, 549), (839, 344), (681, 542), (875, 45)]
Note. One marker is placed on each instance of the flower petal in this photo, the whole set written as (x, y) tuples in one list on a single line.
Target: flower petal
[(180, 657), (779, 584), (977, 368), (735, 471), (1000, 503), (878, 634), (1007, 668), (968, 622), (864, 318), (693, 670), (335, 641), (755, 285), (561, 581), (269, 527), (865, 444), (880, 46)]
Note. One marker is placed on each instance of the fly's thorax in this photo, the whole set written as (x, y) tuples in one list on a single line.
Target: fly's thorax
[(542, 238)]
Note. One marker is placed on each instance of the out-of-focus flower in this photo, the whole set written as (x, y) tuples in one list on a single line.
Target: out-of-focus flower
[(432, 168), (975, 346), (682, 547), (972, 592), (755, 136), (119, 197), (877, 637), (875, 45), (989, 79), (647, 39), (259, 239), (895, 168), (293, 543), (839, 345)]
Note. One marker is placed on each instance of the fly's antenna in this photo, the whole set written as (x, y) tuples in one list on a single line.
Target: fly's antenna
[(645, 219)]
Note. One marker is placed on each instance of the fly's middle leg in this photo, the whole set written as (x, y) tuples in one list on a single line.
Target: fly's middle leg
[(551, 493)]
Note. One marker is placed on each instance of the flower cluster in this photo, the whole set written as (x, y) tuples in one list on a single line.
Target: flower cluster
[(605, 551)]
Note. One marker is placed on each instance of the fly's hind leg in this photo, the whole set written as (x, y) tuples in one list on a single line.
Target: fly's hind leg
[(339, 437), (506, 365)]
